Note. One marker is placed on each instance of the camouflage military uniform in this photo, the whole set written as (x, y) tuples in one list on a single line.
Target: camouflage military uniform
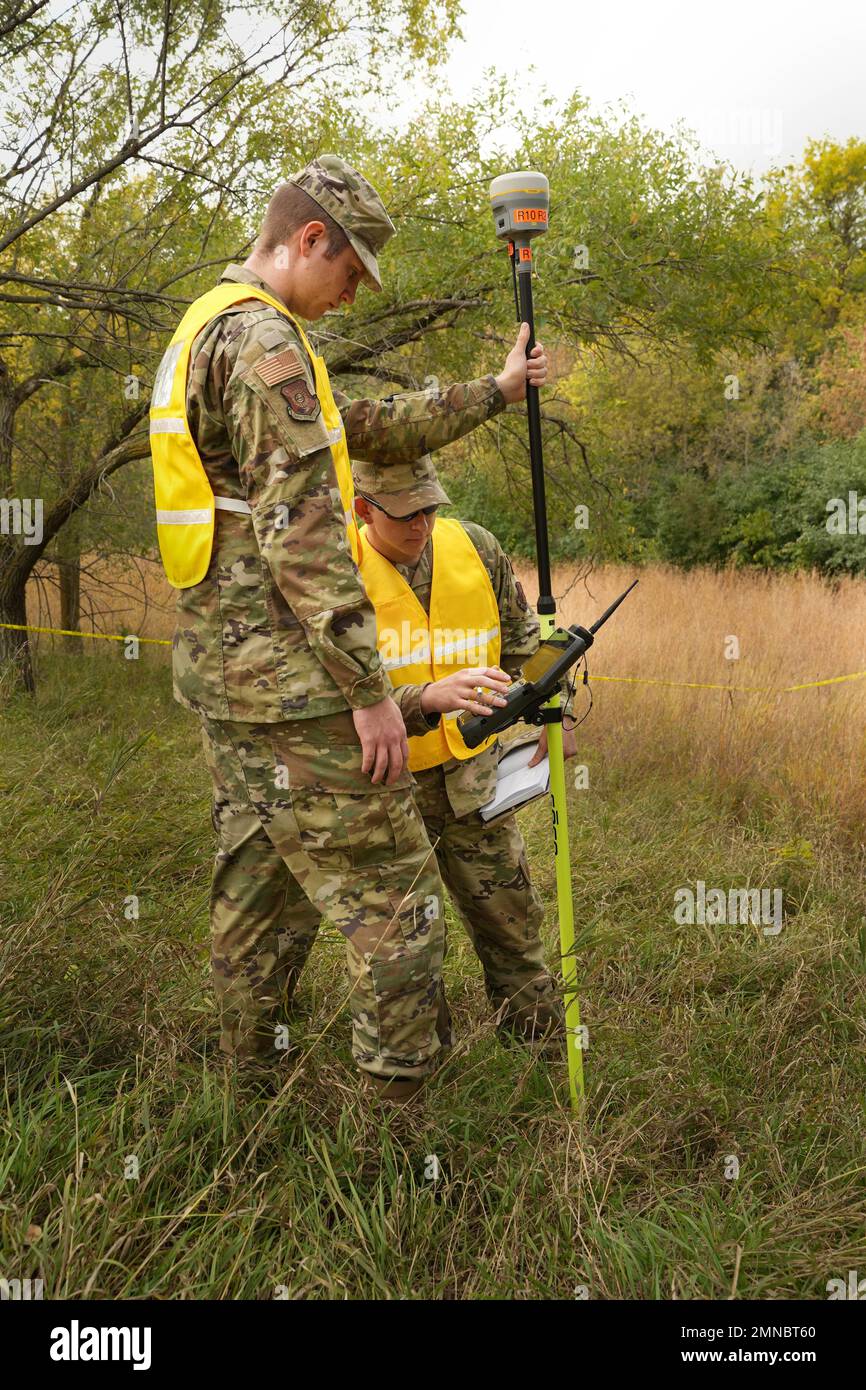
[(483, 866), (273, 649)]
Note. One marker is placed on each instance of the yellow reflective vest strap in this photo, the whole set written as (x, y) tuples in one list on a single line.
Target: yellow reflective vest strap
[(416, 648), (184, 498), (333, 423)]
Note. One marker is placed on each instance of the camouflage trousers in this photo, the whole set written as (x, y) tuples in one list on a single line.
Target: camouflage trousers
[(486, 872), (485, 869), (302, 834)]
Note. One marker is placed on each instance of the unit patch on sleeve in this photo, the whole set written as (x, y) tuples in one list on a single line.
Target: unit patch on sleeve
[(280, 366), (300, 401)]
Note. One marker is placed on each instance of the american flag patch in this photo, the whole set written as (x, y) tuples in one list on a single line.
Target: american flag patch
[(282, 366)]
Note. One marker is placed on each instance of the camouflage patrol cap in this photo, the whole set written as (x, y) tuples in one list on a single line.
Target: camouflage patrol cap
[(354, 204), (400, 488)]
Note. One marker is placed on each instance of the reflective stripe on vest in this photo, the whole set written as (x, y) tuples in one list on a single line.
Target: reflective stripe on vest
[(185, 502), (222, 504), (416, 648)]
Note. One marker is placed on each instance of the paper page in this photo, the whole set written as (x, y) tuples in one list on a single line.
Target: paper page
[(517, 782)]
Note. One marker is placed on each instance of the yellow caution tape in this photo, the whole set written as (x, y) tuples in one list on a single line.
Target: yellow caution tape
[(103, 636), (685, 685), (831, 680), (626, 680), (734, 689)]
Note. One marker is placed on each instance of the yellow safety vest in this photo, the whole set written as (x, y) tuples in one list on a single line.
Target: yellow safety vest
[(416, 647), (185, 501)]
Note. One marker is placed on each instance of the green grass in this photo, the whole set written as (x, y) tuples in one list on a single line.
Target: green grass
[(703, 1042)]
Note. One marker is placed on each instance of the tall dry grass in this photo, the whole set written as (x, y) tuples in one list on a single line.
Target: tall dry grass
[(806, 745)]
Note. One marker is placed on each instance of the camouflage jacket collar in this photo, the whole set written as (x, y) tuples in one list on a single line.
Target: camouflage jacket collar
[(242, 275)]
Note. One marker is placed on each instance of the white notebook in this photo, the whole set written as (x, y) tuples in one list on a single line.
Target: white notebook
[(517, 782)]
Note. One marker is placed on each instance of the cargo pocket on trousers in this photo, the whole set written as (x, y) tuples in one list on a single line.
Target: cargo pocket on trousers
[(320, 829), (369, 828), (374, 830)]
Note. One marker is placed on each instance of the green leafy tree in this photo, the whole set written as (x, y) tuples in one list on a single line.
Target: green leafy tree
[(819, 208)]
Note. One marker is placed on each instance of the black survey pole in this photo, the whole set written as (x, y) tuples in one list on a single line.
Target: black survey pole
[(521, 259), (519, 203)]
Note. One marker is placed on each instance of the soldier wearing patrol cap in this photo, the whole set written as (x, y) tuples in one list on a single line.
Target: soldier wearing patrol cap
[(480, 630), (453, 628), (275, 646)]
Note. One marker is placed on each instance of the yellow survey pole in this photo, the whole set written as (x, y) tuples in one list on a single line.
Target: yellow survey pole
[(564, 899)]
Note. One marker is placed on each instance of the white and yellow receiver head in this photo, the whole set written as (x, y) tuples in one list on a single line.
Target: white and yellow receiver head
[(520, 203)]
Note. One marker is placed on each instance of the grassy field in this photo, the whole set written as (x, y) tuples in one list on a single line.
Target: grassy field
[(705, 1042)]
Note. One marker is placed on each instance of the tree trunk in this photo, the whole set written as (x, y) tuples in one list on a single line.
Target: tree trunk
[(8, 406), (14, 645), (17, 560), (69, 567), (68, 544)]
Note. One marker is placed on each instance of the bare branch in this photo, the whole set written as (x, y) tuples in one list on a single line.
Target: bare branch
[(16, 20)]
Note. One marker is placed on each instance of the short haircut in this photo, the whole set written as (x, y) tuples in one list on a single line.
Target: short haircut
[(291, 208)]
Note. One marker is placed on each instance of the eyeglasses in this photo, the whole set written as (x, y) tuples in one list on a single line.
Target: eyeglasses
[(421, 511)]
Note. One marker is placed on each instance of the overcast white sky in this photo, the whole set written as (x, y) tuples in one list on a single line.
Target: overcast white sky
[(754, 78)]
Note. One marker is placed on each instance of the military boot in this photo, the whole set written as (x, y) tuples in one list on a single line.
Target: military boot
[(542, 1028), (397, 1090)]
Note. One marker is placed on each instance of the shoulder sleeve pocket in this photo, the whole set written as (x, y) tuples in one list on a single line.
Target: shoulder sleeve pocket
[(272, 362), (302, 433)]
